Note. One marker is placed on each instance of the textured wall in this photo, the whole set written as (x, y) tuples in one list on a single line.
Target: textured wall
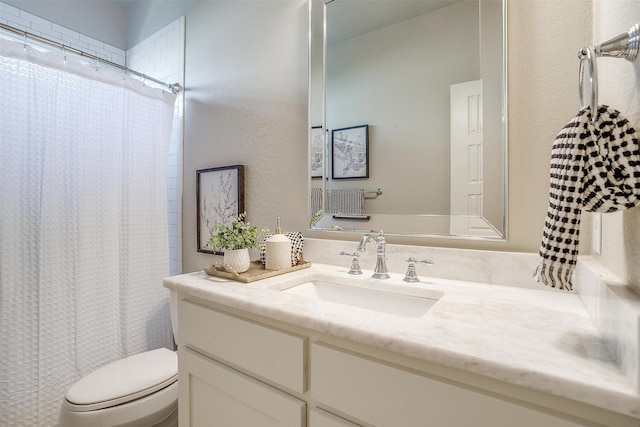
[(619, 87), (544, 37), (246, 103)]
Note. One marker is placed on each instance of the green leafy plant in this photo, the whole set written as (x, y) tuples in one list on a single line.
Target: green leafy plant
[(315, 218), (238, 235)]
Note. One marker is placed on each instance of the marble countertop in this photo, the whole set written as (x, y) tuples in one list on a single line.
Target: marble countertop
[(541, 340)]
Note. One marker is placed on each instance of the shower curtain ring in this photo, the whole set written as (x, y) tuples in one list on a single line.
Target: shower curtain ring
[(586, 53)]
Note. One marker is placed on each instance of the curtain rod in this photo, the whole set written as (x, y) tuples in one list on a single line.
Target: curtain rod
[(175, 87)]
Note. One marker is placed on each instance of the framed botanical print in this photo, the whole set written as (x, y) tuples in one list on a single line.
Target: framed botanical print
[(219, 198)]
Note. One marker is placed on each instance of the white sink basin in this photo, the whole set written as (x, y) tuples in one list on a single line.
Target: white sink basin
[(365, 297)]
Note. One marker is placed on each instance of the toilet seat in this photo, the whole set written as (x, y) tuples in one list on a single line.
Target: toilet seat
[(123, 381), (159, 409)]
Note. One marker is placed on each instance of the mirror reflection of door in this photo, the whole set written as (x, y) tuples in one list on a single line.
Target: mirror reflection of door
[(467, 160)]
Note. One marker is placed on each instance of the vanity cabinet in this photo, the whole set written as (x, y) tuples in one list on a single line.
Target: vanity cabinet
[(212, 394), (240, 369), (385, 395), (215, 348), (268, 353)]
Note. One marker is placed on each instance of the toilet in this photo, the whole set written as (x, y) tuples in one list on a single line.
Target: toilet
[(137, 391)]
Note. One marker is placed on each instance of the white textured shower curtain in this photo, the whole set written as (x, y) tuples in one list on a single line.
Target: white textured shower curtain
[(83, 225)]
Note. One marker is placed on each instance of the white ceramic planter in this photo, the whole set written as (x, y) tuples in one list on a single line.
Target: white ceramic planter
[(238, 259)]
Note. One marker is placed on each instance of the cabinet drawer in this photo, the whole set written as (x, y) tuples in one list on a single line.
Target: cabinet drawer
[(382, 394), (266, 352), (213, 395)]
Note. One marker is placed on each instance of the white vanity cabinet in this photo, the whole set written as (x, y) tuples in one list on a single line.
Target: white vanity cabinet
[(385, 395), (212, 394), (242, 369), (215, 347)]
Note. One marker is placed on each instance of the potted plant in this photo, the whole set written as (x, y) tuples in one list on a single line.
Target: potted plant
[(235, 240)]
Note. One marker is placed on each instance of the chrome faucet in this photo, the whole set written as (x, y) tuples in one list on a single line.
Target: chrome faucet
[(380, 271)]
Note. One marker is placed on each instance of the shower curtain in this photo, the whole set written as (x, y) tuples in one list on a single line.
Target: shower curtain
[(83, 225)]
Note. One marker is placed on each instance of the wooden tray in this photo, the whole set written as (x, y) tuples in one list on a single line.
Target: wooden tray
[(256, 271)]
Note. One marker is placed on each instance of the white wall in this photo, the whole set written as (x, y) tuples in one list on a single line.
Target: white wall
[(542, 43), (619, 87)]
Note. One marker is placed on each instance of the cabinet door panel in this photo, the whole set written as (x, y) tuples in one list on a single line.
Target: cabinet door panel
[(384, 395), (212, 394)]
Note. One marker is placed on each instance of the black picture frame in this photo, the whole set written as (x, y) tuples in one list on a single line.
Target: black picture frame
[(219, 198), (350, 152)]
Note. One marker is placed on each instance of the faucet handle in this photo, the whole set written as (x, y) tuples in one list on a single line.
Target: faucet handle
[(411, 275), (355, 262)]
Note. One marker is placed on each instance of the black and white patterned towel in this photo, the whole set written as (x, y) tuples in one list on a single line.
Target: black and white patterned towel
[(594, 167)]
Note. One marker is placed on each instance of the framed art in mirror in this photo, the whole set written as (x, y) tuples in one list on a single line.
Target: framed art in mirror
[(350, 152), (316, 155), (219, 198)]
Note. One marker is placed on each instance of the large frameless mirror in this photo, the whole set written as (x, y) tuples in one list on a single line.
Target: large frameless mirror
[(407, 117)]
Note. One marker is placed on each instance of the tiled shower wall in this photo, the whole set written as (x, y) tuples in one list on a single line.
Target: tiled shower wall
[(24, 21), (160, 56)]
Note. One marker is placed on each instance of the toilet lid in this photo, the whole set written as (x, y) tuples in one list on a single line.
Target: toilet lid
[(126, 379)]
